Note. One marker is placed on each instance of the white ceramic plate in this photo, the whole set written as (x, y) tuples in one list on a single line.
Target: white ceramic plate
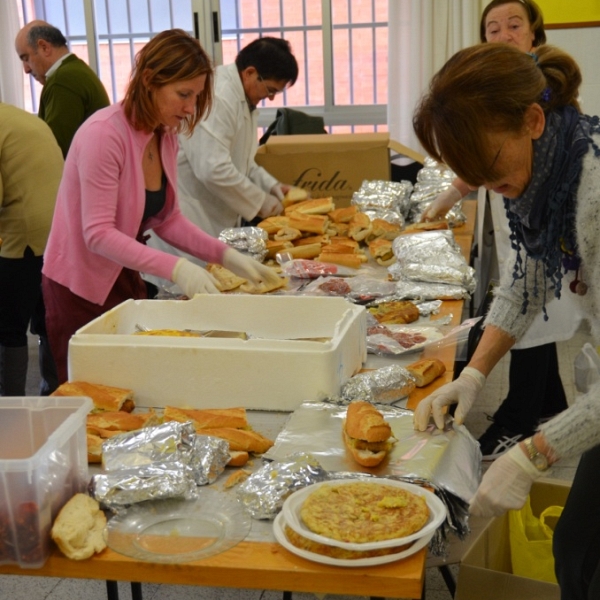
[(179, 531), (293, 505), (279, 531)]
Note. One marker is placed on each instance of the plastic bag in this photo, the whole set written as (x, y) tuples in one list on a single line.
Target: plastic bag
[(531, 542), (587, 368)]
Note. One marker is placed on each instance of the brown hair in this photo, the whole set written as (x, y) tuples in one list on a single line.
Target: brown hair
[(488, 88), (534, 14), (169, 57)]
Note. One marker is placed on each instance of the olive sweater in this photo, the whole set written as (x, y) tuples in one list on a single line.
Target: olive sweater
[(70, 95)]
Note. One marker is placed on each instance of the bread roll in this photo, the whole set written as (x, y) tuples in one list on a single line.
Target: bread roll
[(206, 418), (426, 370), (104, 397), (354, 261), (367, 436), (235, 478), (309, 223), (238, 458), (343, 215), (294, 195), (241, 439), (287, 234), (384, 229), (78, 530), (360, 227), (94, 447), (304, 250), (226, 279), (273, 224), (316, 206)]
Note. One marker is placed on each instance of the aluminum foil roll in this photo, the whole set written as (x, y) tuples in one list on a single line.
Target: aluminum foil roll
[(265, 491), (386, 384), (249, 240), (118, 489), (167, 444)]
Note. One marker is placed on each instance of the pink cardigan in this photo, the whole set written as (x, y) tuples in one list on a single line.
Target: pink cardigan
[(100, 205)]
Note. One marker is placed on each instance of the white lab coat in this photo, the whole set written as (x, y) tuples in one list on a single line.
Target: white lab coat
[(218, 181), (564, 316)]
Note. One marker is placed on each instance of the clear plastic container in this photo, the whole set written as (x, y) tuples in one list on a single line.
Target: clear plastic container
[(43, 462)]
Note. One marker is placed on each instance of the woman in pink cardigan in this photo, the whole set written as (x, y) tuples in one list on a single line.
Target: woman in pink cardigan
[(119, 181)]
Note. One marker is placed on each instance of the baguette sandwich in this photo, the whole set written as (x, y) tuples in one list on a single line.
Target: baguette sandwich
[(207, 418), (367, 436), (316, 206), (426, 370), (104, 397)]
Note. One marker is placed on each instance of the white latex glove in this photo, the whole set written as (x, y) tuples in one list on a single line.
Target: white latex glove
[(193, 279), (279, 190), (270, 207), (442, 204), (248, 268), (463, 391), (505, 485)]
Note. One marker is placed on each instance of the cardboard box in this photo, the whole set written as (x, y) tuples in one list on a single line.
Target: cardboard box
[(43, 463), (273, 370), (485, 570), (331, 164)]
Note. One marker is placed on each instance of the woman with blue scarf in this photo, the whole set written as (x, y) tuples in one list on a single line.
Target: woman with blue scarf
[(508, 121)]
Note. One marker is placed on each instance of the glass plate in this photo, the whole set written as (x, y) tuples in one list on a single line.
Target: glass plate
[(293, 505), (279, 532), (178, 531)]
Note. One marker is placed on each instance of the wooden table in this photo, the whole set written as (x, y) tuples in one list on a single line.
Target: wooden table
[(267, 565)]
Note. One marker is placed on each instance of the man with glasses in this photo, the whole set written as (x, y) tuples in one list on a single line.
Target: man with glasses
[(219, 183)]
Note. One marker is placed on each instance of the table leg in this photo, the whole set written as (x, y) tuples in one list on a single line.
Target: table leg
[(112, 590), (136, 590), (287, 595), (448, 578)]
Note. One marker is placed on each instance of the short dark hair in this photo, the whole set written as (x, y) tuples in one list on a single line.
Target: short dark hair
[(48, 33), (534, 14), (271, 57)]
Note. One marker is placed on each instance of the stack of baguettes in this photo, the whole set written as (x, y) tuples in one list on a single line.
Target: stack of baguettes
[(112, 414), (316, 229)]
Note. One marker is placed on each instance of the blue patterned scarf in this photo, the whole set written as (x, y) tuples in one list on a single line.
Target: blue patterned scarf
[(542, 220)]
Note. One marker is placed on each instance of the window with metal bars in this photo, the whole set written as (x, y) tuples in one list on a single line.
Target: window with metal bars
[(341, 47)]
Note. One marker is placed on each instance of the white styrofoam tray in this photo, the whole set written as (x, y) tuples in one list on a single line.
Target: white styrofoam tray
[(269, 371)]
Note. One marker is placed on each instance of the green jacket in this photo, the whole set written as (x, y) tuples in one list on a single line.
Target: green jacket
[(70, 95)]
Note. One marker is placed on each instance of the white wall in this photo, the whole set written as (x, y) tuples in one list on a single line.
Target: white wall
[(583, 44)]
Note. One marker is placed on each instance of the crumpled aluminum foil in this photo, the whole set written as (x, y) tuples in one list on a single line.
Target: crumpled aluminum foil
[(381, 195), (265, 491), (433, 179), (387, 384), (249, 240), (431, 256), (163, 461)]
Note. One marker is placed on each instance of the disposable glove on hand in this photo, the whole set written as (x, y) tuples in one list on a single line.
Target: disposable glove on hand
[(463, 391), (442, 204), (279, 190), (270, 207), (193, 279), (505, 485), (248, 268)]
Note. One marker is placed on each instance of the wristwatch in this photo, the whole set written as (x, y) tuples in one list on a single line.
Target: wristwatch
[(539, 460)]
